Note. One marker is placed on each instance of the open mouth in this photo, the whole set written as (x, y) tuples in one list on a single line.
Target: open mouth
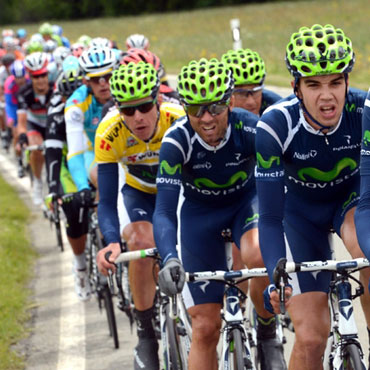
[(328, 111)]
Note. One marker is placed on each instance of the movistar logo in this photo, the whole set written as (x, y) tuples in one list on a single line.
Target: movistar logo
[(266, 164), (317, 174), (349, 200), (366, 138), (210, 184), (250, 219), (350, 108), (239, 125), (170, 170)]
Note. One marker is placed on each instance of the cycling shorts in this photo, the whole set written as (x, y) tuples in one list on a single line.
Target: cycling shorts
[(139, 205), (77, 218), (308, 228), (33, 129), (202, 247)]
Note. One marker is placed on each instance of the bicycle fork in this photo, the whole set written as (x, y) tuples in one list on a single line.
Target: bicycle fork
[(233, 317), (344, 329)]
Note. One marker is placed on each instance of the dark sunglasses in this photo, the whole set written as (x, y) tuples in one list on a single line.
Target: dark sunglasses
[(142, 108), (247, 92), (213, 109), (99, 79), (39, 76)]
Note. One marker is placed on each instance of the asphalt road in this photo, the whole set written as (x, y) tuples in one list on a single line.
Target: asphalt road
[(66, 334)]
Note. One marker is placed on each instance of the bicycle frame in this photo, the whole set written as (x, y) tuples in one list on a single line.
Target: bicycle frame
[(343, 326)]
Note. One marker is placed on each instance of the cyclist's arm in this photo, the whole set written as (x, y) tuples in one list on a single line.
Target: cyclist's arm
[(107, 208), (76, 142), (22, 114), (270, 191), (10, 108), (168, 186), (362, 214)]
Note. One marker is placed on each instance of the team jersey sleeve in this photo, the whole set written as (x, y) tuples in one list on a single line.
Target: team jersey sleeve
[(77, 144), (10, 108), (270, 190), (362, 214), (171, 159), (107, 208)]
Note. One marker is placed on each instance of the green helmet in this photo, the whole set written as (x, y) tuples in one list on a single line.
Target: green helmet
[(134, 81), (46, 29), (246, 65), (319, 50), (34, 46), (205, 81)]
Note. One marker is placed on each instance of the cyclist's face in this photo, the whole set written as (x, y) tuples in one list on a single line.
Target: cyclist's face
[(141, 117), (40, 83), (211, 129), (248, 99), (323, 97), (100, 87)]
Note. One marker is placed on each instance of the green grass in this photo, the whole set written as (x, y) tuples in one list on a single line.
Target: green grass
[(180, 37), (16, 258)]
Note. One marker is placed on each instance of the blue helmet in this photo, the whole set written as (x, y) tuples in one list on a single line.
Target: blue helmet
[(17, 69)]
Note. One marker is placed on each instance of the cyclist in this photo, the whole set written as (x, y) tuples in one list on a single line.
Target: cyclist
[(131, 135), (209, 157), (12, 85), (33, 99), (309, 144), (59, 179), (137, 41), (249, 73), (83, 114)]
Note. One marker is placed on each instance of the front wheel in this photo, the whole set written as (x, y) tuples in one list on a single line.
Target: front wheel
[(108, 305), (352, 358)]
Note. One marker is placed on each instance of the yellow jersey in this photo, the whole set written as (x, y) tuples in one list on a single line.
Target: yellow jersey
[(115, 143)]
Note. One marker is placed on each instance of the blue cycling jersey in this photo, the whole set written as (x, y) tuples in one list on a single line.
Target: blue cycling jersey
[(212, 176), (362, 214), (268, 98), (82, 116), (313, 166)]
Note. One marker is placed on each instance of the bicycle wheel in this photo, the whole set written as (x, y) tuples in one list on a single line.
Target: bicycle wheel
[(108, 304), (352, 358), (237, 351), (59, 236), (172, 356)]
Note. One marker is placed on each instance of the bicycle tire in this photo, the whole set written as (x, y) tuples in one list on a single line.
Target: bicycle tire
[(172, 354), (58, 231), (108, 305), (238, 350), (352, 358)]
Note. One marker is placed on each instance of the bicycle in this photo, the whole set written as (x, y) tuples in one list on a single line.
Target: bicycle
[(100, 285), (53, 215), (175, 326), (343, 350)]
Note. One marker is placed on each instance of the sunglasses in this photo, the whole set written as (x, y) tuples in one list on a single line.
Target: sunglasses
[(247, 92), (43, 75), (142, 108), (213, 109), (100, 79)]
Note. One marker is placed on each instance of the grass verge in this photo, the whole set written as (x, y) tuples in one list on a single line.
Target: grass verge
[(16, 258), (179, 37)]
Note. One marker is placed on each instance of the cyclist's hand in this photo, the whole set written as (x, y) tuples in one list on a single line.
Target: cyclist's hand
[(171, 278), (103, 264), (85, 197), (271, 298), (22, 139)]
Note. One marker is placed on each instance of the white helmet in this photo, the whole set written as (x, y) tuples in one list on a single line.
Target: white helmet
[(36, 63), (137, 41), (60, 53), (97, 61), (99, 42)]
